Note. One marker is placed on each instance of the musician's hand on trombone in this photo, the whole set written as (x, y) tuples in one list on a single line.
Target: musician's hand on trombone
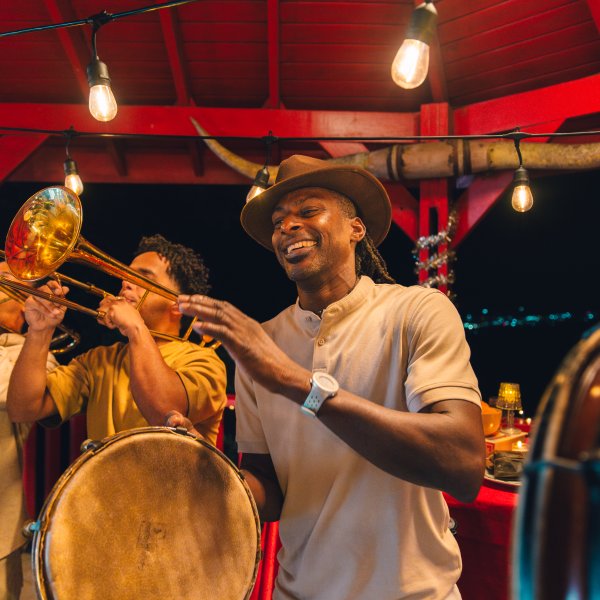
[(42, 314), (120, 314)]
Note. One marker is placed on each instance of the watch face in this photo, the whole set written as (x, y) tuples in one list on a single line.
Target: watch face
[(326, 382)]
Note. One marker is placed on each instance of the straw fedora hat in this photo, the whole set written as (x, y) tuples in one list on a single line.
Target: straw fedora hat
[(365, 191)]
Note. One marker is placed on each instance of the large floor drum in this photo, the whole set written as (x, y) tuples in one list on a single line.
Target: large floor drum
[(556, 543), (149, 513)]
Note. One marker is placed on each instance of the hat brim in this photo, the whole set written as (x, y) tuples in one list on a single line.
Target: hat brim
[(363, 189)]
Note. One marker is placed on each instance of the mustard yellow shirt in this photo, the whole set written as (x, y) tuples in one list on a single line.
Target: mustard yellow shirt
[(97, 383)]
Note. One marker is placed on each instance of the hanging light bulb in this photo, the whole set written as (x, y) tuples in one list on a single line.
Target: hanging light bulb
[(261, 182), (522, 198), (103, 105), (410, 66), (72, 178), (261, 179)]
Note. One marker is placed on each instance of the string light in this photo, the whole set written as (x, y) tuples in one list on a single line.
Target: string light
[(261, 180), (411, 64), (72, 178), (103, 105), (522, 198)]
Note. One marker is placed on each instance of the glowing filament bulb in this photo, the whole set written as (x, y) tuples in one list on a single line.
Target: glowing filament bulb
[(522, 198), (103, 105), (410, 67), (72, 178)]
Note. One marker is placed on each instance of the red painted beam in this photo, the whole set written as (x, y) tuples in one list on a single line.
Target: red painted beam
[(170, 29), (72, 41), (433, 197), (175, 120), (404, 209), (172, 165), (15, 149), (562, 101), (594, 6), (476, 201), (273, 31)]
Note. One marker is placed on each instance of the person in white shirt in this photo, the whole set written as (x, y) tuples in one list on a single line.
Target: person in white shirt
[(12, 439), (357, 405)]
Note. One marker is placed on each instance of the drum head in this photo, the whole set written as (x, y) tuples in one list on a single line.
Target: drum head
[(150, 514)]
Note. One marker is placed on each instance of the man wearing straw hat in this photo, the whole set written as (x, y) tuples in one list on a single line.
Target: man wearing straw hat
[(132, 384), (12, 440), (356, 405)]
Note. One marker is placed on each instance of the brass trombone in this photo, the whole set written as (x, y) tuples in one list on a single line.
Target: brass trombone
[(62, 342), (46, 232)]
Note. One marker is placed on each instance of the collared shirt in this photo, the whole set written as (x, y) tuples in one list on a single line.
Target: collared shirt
[(348, 529), (98, 383)]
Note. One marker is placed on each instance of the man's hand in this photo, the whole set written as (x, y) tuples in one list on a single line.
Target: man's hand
[(176, 419), (44, 315), (245, 340), (120, 314)]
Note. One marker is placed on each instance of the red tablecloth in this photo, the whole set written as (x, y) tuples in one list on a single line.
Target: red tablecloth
[(484, 536)]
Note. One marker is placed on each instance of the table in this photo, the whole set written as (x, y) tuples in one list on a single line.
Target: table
[(484, 530)]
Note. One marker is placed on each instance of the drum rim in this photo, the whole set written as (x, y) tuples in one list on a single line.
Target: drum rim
[(551, 420), (39, 537)]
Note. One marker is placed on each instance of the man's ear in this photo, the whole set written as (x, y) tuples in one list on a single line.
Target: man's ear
[(358, 229)]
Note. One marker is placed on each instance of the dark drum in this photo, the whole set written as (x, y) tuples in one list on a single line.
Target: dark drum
[(556, 542), (149, 513)]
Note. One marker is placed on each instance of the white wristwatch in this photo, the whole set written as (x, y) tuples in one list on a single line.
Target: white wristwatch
[(324, 386)]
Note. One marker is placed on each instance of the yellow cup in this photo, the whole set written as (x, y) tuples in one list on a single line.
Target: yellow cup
[(491, 418)]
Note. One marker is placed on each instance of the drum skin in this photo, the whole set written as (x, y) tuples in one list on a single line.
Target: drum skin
[(556, 541), (151, 513)]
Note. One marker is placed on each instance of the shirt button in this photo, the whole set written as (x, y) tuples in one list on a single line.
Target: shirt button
[(321, 341)]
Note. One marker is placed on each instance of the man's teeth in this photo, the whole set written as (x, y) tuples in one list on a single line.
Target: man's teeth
[(297, 245)]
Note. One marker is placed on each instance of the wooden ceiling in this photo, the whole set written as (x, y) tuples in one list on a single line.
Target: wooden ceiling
[(294, 67)]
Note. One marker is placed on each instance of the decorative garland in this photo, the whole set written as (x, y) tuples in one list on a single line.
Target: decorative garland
[(487, 321), (437, 259)]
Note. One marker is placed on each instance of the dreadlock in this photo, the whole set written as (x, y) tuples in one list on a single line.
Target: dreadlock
[(186, 267), (368, 260)]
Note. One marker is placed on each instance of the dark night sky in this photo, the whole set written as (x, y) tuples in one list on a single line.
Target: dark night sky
[(543, 261)]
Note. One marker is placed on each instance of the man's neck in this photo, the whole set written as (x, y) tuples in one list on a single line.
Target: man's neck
[(318, 298)]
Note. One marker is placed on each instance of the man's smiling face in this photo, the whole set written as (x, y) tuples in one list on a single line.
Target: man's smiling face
[(313, 236)]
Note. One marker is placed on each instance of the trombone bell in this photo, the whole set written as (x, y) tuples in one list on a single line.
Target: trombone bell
[(43, 233)]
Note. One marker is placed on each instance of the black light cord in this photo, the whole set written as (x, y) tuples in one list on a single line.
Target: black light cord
[(269, 140), (99, 19)]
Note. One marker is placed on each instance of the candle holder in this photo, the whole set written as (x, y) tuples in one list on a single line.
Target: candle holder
[(509, 399)]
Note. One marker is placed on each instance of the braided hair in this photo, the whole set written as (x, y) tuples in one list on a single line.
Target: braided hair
[(368, 260), (186, 267)]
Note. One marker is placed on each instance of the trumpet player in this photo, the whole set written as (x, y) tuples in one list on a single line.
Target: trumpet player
[(132, 383)]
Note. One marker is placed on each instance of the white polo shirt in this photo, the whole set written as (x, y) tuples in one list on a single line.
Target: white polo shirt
[(349, 530)]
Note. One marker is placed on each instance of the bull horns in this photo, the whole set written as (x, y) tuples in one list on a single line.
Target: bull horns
[(237, 163), (437, 159)]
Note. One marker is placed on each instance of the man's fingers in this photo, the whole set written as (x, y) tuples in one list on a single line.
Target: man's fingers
[(176, 419)]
